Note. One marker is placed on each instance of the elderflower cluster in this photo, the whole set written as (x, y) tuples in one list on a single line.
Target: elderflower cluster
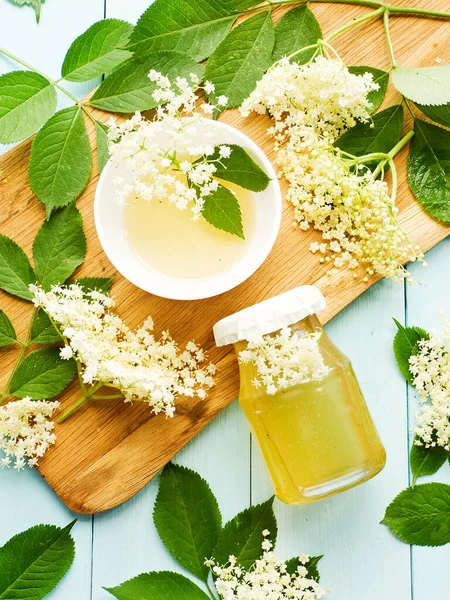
[(268, 579), (312, 105), (285, 360), (322, 94), (430, 368), (172, 156), (26, 432), (133, 361)]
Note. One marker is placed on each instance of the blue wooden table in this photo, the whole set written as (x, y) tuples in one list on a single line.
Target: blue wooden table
[(362, 559)]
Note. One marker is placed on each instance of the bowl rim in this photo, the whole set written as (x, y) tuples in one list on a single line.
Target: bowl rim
[(222, 282)]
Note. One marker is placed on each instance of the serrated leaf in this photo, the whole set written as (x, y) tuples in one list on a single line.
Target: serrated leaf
[(98, 284), (405, 345), (187, 518), (425, 85), (60, 162), (240, 168), (426, 461), (222, 210), (381, 134), (158, 585), (16, 273), (129, 89), (297, 29), (101, 132), (242, 536), (36, 4), (429, 169), (313, 571), (96, 51), (59, 247), (43, 331), (43, 375), (195, 27), (27, 101), (381, 77), (440, 114), (241, 59), (7, 332), (421, 515), (33, 562)]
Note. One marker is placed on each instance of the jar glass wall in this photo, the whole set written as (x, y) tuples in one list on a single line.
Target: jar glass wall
[(317, 438)]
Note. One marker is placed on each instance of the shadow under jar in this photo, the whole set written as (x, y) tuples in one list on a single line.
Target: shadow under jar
[(317, 437)]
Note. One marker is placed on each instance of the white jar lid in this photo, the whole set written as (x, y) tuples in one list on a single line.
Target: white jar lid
[(269, 316)]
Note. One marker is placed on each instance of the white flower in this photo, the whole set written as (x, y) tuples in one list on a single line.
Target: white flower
[(135, 362), (222, 100), (285, 359), (430, 368), (26, 432), (312, 105), (209, 87), (268, 579), (224, 151)]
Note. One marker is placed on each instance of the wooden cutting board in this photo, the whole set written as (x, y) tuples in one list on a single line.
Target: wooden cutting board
[(108, 451)]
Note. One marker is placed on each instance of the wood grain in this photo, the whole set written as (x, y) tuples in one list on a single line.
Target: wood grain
[(108, 452)]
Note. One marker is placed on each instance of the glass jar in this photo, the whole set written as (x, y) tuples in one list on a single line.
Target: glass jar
[(317, 437)]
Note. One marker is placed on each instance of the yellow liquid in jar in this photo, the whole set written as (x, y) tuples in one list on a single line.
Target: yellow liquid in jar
[(169, 241), (317, 438)]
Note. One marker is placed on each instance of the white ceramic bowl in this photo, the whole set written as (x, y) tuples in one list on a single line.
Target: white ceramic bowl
[(109, 222)]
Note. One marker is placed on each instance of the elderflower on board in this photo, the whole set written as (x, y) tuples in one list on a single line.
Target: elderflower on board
[(133, 361), (312, 105), (285, 360), (267, 579), (170, 156), (430, 368), (26, 432)]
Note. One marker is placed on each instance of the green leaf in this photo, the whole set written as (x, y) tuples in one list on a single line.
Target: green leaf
[(242, 4), (59, 247), (43, 331), (129, 89), (158, 585), (297, 29), (426, 461), (98, 284), (406, 345), (222, 210), (379, 135), (421, 515), (36, 4), (7, 333), (429, 169), (195, 27), (96, 51), (381, 77), (425, 85), (313, 571), (60, 163), (242, 536), (33, 562), (101, 132), (241, 169), (28, 100), (440, 114), (16, 274), (187, 518), (43, 375), (242, 59)]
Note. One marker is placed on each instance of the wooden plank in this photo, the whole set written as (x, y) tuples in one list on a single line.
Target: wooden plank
[(24, 499), (107, 453), (430, 574)]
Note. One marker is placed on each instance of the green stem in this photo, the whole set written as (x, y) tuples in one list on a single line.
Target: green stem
[(211, 593), (355, 22), (24, 347), (418, 11), (388, 38), (390, 155), (107, 397), (72, 409)]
